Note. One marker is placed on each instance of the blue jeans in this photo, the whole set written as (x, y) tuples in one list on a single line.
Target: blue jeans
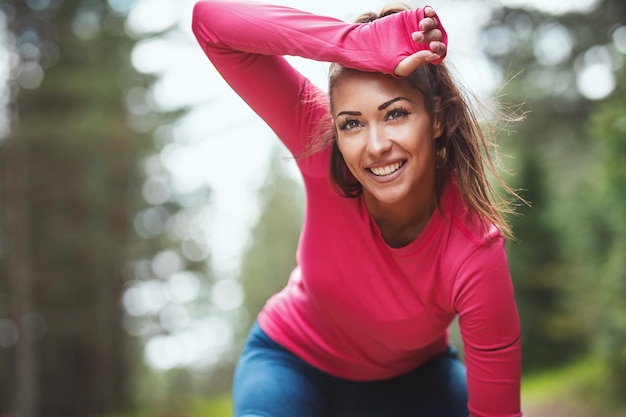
[(272, 382)]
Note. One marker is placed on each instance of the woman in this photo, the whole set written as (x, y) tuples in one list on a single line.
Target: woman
[(400, 235)]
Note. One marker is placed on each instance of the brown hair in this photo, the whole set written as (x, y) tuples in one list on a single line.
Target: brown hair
[(463, 150)]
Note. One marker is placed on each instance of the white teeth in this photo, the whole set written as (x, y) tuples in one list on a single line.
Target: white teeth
[(386, 170)]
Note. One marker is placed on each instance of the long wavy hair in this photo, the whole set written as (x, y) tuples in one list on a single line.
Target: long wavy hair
[(464, 150)]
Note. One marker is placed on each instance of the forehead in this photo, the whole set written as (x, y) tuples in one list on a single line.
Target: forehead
[(356, 88)]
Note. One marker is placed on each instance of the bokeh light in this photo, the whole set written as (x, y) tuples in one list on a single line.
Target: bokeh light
[(594, 73), (553, 44), (554, 7), (619, 39), (227, 294), (86, 25)]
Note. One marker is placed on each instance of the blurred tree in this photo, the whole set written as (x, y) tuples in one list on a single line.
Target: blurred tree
[(270, 257), (567, 61), (69, 192), (609, 129)]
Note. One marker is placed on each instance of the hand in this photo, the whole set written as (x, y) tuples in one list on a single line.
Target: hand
[(430, 34)]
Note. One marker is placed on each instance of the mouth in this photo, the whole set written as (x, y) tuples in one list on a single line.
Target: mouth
[(382, 171)]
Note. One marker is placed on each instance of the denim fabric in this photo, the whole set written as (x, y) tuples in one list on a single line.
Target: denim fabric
[(272, 382)]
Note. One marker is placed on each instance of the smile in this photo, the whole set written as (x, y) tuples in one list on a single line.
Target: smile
[(386, 169)]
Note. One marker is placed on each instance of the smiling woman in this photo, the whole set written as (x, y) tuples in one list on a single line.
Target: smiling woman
[(401, 232), (386, 137)]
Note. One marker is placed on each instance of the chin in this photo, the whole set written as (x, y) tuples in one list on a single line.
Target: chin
[(390, 198)]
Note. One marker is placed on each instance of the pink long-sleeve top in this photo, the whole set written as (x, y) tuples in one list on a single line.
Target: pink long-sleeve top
[(354, 306)]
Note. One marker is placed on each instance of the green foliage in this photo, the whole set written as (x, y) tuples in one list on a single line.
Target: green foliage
[(609, 129), (560, 266), (270, 257), (67, 211), (541, 269)]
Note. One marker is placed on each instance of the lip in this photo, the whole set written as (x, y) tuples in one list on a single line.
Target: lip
[(386, 178)]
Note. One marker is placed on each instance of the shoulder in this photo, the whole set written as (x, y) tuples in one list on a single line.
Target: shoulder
[(473, 246), (469, 226)]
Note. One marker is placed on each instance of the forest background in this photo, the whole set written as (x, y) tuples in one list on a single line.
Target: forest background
[(129, 272)]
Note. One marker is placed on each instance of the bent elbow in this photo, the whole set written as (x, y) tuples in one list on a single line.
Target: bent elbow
[(204, 14), (197, 16)]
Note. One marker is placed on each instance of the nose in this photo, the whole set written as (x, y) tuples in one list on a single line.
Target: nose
[(378, 142)]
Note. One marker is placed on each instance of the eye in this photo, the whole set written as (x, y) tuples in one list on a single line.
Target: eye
[(397, 113), (349, 124)]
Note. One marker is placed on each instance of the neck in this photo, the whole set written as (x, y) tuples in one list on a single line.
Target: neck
[(401, 223)]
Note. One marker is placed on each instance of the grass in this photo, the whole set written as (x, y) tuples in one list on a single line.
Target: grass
[(575, 390), (545, 385), (220, 406), (215, 406)]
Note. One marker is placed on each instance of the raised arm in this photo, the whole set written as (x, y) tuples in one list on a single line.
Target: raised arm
[(246, 42)]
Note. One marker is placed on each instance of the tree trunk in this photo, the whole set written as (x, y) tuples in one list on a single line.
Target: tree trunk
[(19, 272)]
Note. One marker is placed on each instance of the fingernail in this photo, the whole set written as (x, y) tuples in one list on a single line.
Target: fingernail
[(418, 36)]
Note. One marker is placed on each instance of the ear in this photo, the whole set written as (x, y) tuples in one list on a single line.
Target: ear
[(437, 125)]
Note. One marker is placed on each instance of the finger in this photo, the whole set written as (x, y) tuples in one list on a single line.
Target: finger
[(415, 61), (429, 11), (428, 23), (433, 35), (418, 37), (438, 48)]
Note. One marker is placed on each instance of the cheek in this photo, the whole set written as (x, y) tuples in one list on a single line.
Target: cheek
[(347, 149), (351, 156)]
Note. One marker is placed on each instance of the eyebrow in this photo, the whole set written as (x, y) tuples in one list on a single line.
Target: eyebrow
[(390, 102), (381, 107)]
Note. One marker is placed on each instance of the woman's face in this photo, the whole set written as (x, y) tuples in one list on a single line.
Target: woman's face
[(386, 136)]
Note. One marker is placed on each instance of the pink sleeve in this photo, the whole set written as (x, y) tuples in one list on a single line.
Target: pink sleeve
[(246, 42), (490, 329)]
